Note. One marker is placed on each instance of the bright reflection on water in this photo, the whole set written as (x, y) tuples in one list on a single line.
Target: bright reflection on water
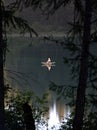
[(53, 117), (55, 120)]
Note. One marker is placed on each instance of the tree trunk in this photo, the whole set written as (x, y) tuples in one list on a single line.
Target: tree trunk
[(28, 117), (1, 74), (83, 75)]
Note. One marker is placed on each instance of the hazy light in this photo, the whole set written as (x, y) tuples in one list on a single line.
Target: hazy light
[(53, 117)]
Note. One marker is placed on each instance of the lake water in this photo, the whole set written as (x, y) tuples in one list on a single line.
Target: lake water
[(25, 56)]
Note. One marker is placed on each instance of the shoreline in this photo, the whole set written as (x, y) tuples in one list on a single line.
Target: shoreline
[(51, 34)]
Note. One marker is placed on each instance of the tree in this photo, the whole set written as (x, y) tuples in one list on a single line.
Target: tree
[(83, 75), (1, 72), (7, 17), (28, 117), (25, 110)]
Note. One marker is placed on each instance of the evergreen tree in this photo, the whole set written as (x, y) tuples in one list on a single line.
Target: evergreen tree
[(83, 74), (7, 18)]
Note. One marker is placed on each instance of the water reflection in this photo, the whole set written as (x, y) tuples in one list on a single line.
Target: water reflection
[(53, 117), (27, 60), (58, 112)]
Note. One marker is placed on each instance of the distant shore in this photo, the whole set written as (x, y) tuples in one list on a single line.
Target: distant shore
[(50, 34)]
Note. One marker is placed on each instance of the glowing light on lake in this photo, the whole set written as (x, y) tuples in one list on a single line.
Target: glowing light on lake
[(53, 117), (48, 64)]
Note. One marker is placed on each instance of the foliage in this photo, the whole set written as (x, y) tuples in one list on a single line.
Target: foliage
[(67, 125), (90, 122), (14, 111), (67, 92), (10, 19)]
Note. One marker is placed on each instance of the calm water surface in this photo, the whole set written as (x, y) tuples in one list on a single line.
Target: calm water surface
[(25, 55)]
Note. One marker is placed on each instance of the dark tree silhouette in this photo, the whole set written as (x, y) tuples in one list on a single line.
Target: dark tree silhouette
[(28, 117), (7, 18), (1, 73), (83, 74)]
